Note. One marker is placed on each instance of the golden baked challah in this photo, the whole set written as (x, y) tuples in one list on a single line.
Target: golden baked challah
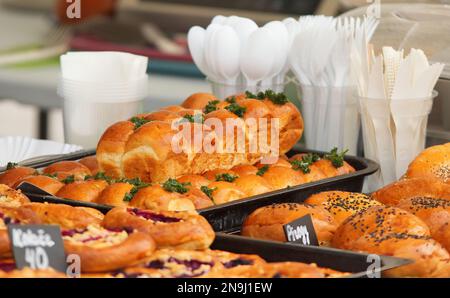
[(143, 146)]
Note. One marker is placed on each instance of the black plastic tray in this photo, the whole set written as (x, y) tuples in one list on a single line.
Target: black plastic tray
[(229, 216), (341, 260)]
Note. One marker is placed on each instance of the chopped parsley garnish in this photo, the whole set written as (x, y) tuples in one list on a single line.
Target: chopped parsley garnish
[(11, 165), (137, 185), (68, 179), (336, 158), (304, 163), (208, 191), (276, 98), (173, 185), (262, 170), (138, 122), (211, 106), (197, 118), (48, 174), (236, 109), (231, 99), (227, 177), (100, 176)]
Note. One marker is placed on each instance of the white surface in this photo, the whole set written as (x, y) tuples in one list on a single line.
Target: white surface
[(16, 149)]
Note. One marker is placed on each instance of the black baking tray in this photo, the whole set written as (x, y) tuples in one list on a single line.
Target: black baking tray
[(230, 216), (337, 259)]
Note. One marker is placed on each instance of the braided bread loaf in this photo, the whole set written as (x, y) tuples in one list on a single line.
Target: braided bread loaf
[(144, 145)]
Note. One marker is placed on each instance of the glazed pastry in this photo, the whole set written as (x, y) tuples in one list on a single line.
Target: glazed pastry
[(393, 193), (435, 213), (168, 229), (224, 192), (195, 181), (243, 170), (311, 173), (14, 175), (11, 198), (282, 177), (392, 231), (86, 191), (32, 273), (327, 167), (342, 204), (220, 175), (116, 194), (49, 184), (13, 216), (253, 185), (67, 217), (149, 142), (91, 163), (198, 101), (155, 197), (199, 198), (103, 250), (433, 162), (267, 222), (64, 169)]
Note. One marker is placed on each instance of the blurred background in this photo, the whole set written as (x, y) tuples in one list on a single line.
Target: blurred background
[(33, 33)]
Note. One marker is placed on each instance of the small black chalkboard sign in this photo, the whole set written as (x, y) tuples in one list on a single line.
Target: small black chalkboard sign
[(301, 231), (37, 246)]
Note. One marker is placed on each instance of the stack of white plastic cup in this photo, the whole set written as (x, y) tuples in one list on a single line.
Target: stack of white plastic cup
[(94, 99)]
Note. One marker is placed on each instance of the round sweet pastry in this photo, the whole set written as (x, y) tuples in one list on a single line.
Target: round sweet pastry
[(282, 177), (195, 181), (393, 193), (86, 191), (168, 263), (310, 173), (11, 198), (327, 167), (111, 148), (281, 162), (168, 229), (67, 217), (435, 213), (63, 169), (115, 194), (253, 185), (433, 162), (13, 216), (14, 175), (243, 170), (224, 192), (103, 250), (91, 163), (161, 116), (393, 231), (267, 222), (46, 183), (155, 197), (32, 273), (174, 109), (199, 198), (342, 204)]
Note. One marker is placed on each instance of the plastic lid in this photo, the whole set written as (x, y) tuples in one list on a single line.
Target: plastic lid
[(421, 26)]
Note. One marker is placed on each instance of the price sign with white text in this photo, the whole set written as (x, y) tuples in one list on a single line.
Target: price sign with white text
[(37, 246)]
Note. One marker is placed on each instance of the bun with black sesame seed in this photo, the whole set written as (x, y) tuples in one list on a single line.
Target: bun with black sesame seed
[(392, 231), (342, 204), (267, 222), (433, 162)]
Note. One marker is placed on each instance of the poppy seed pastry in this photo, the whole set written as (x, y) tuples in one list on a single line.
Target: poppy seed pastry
[(433, 162), (101, 249), (267, 222), (395, 192), (342, 204), (168, 229), (392, 231)]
